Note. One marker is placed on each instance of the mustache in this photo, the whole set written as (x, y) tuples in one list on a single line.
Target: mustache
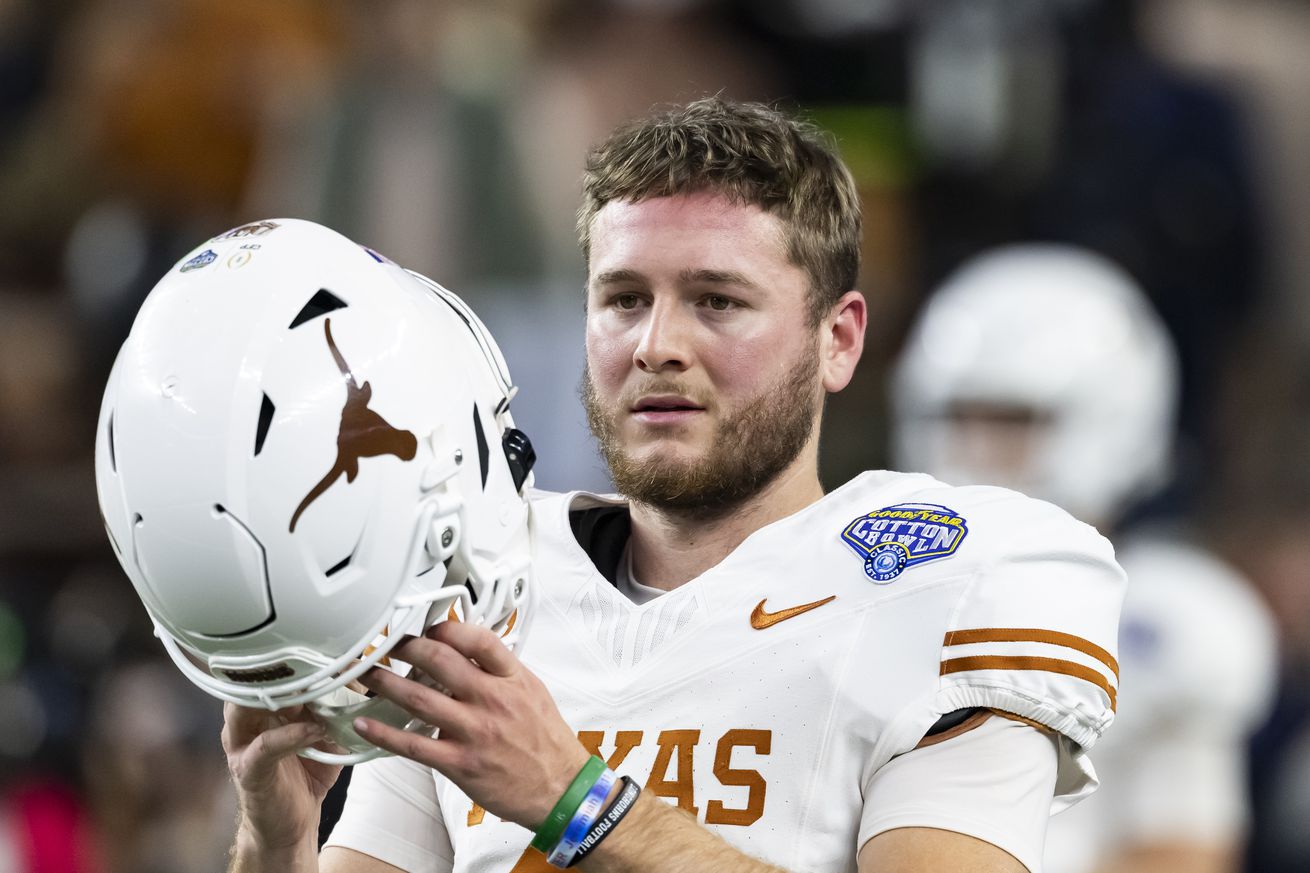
[(630, 396), (593, 400)]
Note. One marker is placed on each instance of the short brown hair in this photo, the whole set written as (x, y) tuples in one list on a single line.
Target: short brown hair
[(753, 154)]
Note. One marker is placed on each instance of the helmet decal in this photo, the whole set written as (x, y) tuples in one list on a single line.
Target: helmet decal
[(258, 228), (262, 674), (363, 433)]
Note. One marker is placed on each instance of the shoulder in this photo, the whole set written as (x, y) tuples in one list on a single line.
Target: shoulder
[(542, 500), (577, 533), (881, 513), (1033, 628), (557, 515), (1019, 616)]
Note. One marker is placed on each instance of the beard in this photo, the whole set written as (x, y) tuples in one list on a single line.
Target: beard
[(749, 449)]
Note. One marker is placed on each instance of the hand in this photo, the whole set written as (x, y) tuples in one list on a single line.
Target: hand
[(501, 738), (279, 792)]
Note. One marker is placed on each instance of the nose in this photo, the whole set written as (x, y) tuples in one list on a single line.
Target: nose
[(664, 343)]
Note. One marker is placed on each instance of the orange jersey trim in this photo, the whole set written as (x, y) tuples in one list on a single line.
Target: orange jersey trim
[(950, 733), (1032, 635), (1049, 665), (1019, 718)]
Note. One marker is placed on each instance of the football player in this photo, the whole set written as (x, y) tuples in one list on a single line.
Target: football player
[(895, 676), (728, 669), (1044, 368)]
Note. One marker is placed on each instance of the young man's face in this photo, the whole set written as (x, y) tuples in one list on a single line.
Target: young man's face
[(702, 376)]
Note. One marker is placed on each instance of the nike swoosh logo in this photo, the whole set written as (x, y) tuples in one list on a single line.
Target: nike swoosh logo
[(761, 619)]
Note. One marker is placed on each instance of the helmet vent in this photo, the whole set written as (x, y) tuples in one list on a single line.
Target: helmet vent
[(483, 458), (113, 454), (265, 420), (339, 565), (321, 303)]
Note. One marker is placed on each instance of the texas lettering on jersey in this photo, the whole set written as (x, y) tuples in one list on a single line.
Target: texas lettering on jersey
[(672, 773), (671, 776)]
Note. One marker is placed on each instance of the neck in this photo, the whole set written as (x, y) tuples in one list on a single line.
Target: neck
[(670, 549)]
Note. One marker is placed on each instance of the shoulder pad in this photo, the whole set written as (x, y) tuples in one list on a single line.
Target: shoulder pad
[(1035, 630)]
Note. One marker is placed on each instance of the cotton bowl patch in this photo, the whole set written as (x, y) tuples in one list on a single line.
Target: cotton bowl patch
[(204, 259), (895, 538)]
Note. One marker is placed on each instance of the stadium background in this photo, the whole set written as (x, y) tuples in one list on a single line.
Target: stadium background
[(448, 134)]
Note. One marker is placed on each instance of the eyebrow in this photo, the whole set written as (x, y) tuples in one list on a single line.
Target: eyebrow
[(686, 277), (715, 277), (614, 277)]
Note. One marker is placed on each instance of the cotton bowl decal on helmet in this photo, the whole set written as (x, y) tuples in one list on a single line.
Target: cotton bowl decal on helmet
[(304, 454)]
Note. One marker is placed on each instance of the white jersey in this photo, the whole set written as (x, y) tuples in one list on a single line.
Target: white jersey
[(766, 696), (1198, 652)]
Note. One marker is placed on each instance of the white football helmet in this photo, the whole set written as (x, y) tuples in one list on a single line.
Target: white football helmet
[(1064, 334), (304, 453)]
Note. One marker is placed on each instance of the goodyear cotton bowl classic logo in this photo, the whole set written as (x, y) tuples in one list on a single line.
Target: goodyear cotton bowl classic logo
[(896, 537), (204, 259)]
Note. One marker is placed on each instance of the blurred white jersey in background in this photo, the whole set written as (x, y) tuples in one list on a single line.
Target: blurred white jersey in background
[(1197, 667)]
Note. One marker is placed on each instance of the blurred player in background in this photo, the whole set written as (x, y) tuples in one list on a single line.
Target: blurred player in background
[(1044, 368)]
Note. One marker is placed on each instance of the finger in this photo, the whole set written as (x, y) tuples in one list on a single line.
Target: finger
[(242, 724), (477, 644), (418, 700), (436, 753), (259, 762), (447, 667), (242, 720), (288, 739)]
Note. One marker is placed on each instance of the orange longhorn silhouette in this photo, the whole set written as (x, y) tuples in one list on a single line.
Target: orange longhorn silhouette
[(363, 433)]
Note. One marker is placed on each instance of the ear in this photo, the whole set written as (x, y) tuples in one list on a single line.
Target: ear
[(841, 340)]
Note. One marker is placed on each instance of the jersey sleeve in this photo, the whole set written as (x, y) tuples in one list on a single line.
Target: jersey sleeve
[(392, 814), (994, 783), (1034, 634)]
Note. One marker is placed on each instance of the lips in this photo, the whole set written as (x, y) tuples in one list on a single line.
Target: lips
[(666, 403), (661, 410)]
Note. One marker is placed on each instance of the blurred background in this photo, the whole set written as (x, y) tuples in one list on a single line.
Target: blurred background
[(1168, 135)]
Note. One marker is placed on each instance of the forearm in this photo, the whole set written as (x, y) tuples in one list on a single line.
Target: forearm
[(658, 838), (249, 856)]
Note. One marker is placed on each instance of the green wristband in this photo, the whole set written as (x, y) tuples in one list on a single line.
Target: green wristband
[(553, 827)]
